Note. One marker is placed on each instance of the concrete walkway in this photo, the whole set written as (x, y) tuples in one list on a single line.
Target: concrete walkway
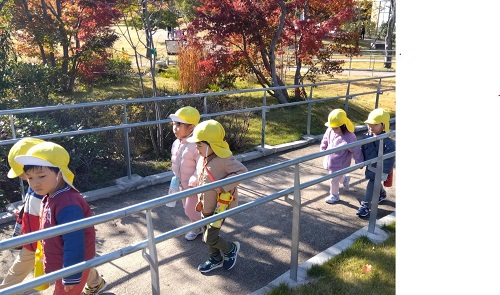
[(264, 231)]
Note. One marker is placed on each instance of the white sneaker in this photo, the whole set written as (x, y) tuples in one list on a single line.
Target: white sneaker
[(332, 199), (347, 179), (191, 235)]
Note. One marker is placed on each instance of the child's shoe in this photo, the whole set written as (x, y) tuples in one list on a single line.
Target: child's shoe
[(332, 199), (95, 290), (192, 234), (363, 210), (382, 197), (346, 181), (210, 265), (230, 257)]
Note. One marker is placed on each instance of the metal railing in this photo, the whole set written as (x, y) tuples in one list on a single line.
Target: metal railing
[(148, 246), (374, 58), (126, 127)]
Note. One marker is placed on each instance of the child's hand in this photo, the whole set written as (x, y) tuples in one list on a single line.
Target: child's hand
[(67, 288)]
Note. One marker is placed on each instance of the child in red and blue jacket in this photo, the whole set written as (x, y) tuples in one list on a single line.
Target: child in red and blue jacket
[(46, 168)]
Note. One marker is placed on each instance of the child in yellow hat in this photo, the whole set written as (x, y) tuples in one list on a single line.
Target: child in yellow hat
[(216, 162), (340, 132), (184, 158), (377, 123), (29, 215), (46, 168)]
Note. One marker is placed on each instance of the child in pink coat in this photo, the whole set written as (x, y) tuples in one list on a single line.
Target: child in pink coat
[(184, 159), (340, 132)]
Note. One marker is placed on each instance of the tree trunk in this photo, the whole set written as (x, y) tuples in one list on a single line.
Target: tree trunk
[(150, 55), (2, 4), (388, 38), (37, 39), (145, 19), (298, 78), (280, 94)]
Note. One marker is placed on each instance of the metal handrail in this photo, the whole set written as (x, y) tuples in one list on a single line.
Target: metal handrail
[(264, 108), (151, 241), (176, 97)]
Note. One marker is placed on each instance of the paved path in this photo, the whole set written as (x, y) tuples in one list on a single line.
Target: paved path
[(264, 233)]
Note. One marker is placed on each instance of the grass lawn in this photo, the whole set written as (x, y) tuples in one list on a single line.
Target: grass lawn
[(363, 268)]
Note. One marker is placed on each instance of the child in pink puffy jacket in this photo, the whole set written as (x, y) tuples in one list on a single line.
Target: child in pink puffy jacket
[(340, 132), (184, 159)]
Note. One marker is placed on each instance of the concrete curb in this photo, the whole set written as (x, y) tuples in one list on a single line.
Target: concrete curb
[(134, 182), (377, 237)]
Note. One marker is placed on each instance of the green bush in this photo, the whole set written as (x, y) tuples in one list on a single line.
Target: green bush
[(224, 82), (117, 69), (30, 85), (235, 125), (170, 72)]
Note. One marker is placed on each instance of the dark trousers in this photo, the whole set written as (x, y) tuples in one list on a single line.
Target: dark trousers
[(369, 191), (215, 243)]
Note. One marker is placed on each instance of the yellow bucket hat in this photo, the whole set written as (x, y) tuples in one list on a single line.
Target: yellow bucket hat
[(378, 116), (18, 149), (337, 118), (48, 154), (187, 115), (212, 132)]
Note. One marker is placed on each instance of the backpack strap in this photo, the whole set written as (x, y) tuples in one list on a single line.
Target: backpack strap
[(212, 179)]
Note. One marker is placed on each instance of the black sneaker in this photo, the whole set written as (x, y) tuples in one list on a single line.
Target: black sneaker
[(363, 203), (363, 211), (230, 257), (209, 265), (382, 197)]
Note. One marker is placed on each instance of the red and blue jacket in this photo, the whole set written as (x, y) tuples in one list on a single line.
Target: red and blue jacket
[(31, 216), (66, 205)]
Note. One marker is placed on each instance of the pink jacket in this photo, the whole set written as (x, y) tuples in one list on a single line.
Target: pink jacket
[(341, 159), (184, 159)]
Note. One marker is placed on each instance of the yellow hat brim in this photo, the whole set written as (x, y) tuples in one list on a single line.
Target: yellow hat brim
[(348, 124), (20, 148), (221, 149), (35, 161)]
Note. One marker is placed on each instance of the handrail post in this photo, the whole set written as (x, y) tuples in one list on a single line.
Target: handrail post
[(309, 111), (378, 92), (372, 66), (346, 104), (296, 204), (152, 257), (126, 131), (263, 124), (13, 129), (376, 187), (205, 108), (350, 65)]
